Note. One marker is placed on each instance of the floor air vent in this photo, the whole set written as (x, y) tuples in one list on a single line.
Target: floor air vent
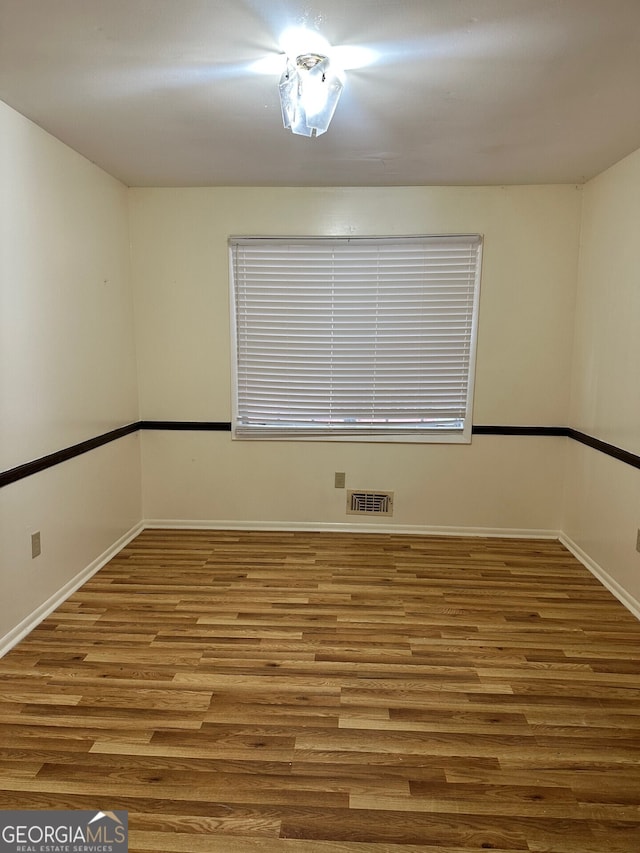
[(369, 503)]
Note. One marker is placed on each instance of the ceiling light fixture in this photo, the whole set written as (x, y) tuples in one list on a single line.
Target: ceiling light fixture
[(313, 77), (309, 93)]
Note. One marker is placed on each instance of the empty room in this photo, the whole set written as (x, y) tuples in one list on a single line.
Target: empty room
[(319, 426)]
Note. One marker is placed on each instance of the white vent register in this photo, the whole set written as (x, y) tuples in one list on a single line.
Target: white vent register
[(369, 503)]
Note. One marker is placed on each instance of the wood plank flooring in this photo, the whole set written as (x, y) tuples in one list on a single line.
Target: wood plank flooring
[(333, 693)]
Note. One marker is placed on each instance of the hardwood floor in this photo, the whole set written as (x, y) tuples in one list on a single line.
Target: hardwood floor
[(333, 693)]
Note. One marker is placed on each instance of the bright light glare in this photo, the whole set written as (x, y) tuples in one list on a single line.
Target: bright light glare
[(296, 41), (271, 64), (349, 56)]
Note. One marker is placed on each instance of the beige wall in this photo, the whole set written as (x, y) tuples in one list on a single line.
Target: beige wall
[(67, 363), (602, 508), (180, 271)]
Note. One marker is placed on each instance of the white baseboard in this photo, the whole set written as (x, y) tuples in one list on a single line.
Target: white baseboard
[(29, 623), (350, 527), (631, 603)]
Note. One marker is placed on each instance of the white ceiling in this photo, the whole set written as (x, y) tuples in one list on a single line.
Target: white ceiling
[(160, 92)]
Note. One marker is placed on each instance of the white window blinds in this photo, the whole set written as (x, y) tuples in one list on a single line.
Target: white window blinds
[(354, 337)]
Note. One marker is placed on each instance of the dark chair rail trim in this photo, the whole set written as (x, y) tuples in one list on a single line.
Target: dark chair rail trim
[(519, 430), (610, 449), (44, 462), (208, 426)]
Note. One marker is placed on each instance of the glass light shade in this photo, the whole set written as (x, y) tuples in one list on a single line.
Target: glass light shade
[(309, 94)]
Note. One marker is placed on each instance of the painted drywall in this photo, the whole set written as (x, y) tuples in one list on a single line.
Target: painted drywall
[(68, 352), (495, 485), (82, 509), (67, 363), (602, 507), (181, 285)]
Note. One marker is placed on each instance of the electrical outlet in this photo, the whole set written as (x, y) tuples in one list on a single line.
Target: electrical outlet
[(340, 480), (638, 541), (36, 545)]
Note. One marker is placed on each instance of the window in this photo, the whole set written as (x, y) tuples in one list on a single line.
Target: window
[(370, 339)]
